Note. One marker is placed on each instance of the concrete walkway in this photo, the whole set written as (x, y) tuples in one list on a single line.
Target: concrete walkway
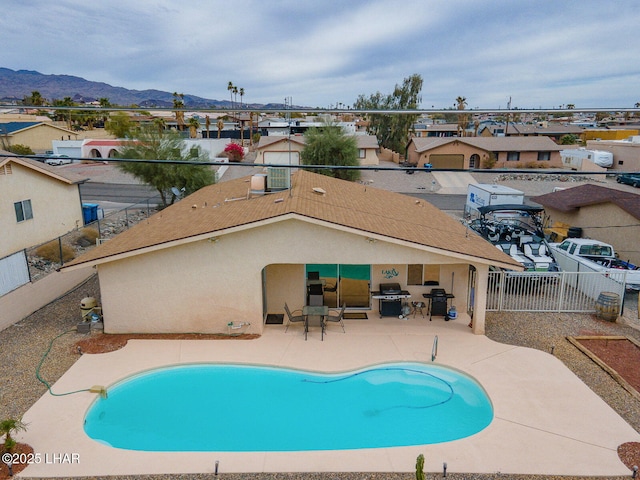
[(546, 421)]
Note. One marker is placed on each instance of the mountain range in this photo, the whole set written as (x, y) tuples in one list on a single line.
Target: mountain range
[(17, 84)]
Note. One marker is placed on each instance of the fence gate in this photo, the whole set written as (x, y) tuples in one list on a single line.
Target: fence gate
[(551, 291), (14, 272)]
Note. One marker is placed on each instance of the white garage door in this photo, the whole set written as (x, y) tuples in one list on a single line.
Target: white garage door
[(281, 158)]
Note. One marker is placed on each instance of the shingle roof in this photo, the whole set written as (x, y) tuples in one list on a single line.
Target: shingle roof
[(364, 209), (364, 141), (54, 172), (12, 127), (584, 195), (491, 144)]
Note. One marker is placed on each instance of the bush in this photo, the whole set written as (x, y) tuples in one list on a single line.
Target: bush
[(489, 162), (234, 152), (87, 236), (51, 252), (21, 150)]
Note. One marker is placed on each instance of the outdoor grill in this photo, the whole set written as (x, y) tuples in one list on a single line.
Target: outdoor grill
[(390, 297)]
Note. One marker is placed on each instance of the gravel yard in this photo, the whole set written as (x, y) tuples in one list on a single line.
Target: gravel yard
[(24, 344)]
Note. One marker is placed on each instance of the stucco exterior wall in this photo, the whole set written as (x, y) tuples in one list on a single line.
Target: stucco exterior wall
[(39, 138), (459, 148), (607, 223), (370, 157), (281, 146), (626, 155), (202, 286), (56, 209)]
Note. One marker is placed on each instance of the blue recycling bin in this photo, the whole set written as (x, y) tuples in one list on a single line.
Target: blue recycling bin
[(89, 212)]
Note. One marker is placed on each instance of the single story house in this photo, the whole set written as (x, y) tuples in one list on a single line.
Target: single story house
[(474, 152), (626, 153), (228, 256), (287, 149), (39, 203), (36, 135), (605, 214)]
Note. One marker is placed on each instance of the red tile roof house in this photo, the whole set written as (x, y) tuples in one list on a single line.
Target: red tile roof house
[(473, 152), (226, 255), (605, 214)]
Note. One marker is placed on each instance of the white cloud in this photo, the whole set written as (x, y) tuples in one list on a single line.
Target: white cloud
[(540, 52)]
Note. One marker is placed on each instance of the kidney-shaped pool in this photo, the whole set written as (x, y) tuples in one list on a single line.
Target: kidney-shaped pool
[(241, 408)]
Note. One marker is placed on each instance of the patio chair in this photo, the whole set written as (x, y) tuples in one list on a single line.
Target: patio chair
[(337, 318), (293, 318)]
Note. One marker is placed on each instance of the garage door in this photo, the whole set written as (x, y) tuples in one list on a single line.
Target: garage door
[(446, 161), (282, 158)]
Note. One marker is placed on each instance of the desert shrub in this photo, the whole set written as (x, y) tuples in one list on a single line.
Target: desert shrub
[(87, 236), (19, 149), (51, 252), (489, 162)]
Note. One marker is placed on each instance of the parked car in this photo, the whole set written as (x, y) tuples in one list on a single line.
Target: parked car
[(57, 160), (629, 179)]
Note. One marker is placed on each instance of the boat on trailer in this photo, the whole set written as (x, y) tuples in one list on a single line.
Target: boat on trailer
[(517, 231)]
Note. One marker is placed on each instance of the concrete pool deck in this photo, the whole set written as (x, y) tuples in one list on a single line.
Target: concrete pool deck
[(546, 420)]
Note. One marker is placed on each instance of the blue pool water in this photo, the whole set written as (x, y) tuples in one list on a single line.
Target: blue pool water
[(211, 407)]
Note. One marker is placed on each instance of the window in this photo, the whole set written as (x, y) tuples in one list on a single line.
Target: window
[(544, 156), (362, 153), (23, 210), (423, 274), (513, 156), (474, 160)]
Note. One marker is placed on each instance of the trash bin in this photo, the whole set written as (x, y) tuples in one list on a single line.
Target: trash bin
[(89, 212)]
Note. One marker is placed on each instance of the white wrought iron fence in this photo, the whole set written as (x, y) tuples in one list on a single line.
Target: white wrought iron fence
[(550, 291)]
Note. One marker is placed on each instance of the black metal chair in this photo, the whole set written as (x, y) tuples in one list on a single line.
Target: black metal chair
[(337, 318), (293, 318)]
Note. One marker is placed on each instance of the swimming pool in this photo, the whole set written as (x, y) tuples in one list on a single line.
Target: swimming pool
[(242, 408)]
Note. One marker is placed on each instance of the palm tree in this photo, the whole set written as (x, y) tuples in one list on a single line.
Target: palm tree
[(230, 90), (161, 124), (207, 123), (241, 95), (463, 119), (220, 125), (178, 104), (194, 124), (8, 427)]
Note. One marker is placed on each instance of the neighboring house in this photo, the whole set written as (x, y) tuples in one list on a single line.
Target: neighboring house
[(280, 150), (285, 150), (626, 153), (38, 204), (540, 129), (436, 130), (473, 152), (222, 255), (605, 214), (36, 135)]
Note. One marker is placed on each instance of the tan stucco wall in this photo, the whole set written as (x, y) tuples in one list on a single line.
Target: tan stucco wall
[(626, 155), (56, 209), (459, 148), (370, 157), (201, 287), (281, 146), (39, 138), (607, 223)]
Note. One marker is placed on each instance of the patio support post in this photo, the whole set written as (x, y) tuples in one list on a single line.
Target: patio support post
[(480, 307)]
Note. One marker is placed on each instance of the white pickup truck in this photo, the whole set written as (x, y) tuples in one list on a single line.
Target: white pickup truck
[(598, 256)]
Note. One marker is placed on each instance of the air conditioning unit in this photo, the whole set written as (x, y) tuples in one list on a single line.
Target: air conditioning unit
[(278, 178)]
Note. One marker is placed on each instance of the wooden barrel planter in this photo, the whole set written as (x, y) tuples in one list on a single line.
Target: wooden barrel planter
[(608, 306)]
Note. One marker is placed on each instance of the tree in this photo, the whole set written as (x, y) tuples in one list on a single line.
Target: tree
[(393, 131), (230, 88), (178, 104), (220, 125), (8, 427), (35, 99), (194, 124), (463, 119), (119, 125), (329, 145), (568, 139), (150, 144)]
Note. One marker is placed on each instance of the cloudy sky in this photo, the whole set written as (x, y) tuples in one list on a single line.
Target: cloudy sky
[(540, 53)]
